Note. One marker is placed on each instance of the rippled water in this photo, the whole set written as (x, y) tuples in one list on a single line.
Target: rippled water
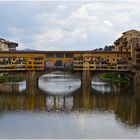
[(61, 108)]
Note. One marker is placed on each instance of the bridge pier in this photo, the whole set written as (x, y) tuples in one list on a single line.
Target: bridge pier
[(31, 82), (86, 79), (31, 78)]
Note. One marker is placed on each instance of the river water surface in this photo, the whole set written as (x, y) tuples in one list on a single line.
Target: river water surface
[(61, 108)]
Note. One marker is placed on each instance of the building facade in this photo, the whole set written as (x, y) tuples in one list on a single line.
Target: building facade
[(7, 45), (108, 61), (22, 61), (125, 42)]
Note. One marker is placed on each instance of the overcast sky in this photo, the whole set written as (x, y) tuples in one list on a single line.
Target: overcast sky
[(67, 25)]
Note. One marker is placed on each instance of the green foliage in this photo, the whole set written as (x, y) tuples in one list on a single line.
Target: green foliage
[(11, 79), (114, 77)]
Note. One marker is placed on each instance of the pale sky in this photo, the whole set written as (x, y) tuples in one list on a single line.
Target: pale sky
[(67, 25)]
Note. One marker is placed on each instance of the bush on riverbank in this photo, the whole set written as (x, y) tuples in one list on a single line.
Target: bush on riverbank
[(11, 79), (114, 77)]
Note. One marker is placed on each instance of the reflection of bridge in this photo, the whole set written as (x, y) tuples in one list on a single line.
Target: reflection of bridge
[(125, 106), (124, 57)]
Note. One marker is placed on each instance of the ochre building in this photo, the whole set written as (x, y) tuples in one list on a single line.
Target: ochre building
[(21, 61)]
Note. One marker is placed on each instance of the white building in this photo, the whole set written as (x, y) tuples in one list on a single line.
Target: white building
[(7, 45)]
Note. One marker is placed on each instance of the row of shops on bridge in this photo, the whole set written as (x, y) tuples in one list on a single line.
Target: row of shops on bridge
[(125, 56)]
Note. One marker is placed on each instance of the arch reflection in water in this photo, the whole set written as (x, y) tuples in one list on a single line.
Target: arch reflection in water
[(102, 88), (59, 102), (124, 103), (109, 87), (59, 83)]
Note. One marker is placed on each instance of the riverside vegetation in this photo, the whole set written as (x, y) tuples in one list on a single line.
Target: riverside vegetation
[(113, 77), (6, 78)]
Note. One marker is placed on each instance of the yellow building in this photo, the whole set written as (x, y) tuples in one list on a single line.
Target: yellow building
[(125, 42), (114, 61), (22, 61)]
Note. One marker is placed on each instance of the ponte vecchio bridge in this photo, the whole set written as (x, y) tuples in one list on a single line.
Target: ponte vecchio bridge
[(123, 58)]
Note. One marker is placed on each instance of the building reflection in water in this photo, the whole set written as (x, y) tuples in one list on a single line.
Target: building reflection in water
[(123, 101), (13, 87)]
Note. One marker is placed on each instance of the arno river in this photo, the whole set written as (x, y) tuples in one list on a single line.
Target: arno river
[(61, 108)]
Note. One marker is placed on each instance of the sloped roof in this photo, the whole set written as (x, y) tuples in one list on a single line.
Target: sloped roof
[(132, 31), (2, 39), (8, 42)]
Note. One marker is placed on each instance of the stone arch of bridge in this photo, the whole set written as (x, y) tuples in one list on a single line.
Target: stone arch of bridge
[(41, 73)]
